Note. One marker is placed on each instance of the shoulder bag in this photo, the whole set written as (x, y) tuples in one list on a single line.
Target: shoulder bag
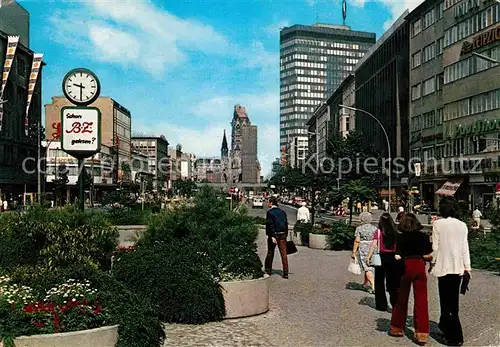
[(376, 260)]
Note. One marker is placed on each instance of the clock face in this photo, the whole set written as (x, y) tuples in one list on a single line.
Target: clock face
[(81, 86)]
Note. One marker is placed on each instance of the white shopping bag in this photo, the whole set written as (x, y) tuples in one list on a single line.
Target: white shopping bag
[(354, 267)]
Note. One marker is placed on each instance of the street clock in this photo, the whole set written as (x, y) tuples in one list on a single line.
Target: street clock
[(81, 87)]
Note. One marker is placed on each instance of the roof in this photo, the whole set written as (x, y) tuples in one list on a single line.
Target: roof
[(423, 7), (327, 31), (394, 27)]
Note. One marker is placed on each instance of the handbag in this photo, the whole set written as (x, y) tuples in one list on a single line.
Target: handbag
[(354, 267), (376, 259), (290, 247), (464, 287)]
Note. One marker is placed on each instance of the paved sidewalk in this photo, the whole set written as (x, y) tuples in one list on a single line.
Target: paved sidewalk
[(320, 306)]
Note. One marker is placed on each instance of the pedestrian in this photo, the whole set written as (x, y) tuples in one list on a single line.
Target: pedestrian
[(476, 215), (413, 248), (386, 205), (5, 205), (401, 214), (277, 232), (388, 275), (363, 240), (451, 262), (303, 214)]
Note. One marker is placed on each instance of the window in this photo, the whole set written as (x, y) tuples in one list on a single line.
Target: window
[(429, 19), (415, 59), (21, 67), (429, 86), (439, 116), (439, 81), (415, 92), (428, 53), (440, 10), (439, 45), (416, 27)]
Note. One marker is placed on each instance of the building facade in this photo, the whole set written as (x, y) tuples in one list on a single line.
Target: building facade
[(15, 145), (243, 162), (330, 119), (471, 97), (426, 96), (208, 170), (314, 60), (156, 149), (382, 89), (115, 130)]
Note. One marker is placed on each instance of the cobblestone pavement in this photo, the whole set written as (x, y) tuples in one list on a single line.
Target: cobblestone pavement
[(321, 306)]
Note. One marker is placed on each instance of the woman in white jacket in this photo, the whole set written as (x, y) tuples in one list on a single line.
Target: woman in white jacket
[(303, 214), (451, 261)]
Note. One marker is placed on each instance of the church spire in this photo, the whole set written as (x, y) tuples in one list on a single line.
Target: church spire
[(224, 151)]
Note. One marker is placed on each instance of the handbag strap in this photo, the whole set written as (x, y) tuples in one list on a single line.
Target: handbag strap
[(378, 240)]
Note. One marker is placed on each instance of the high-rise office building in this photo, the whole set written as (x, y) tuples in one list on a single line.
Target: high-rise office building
[(314, 60)]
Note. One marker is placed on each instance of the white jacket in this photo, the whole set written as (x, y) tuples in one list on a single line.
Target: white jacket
[(303, 214), (450, 247)]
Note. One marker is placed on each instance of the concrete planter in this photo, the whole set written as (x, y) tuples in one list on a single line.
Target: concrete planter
[(102, 337), (129, 234), (317, 241), (246, 298)]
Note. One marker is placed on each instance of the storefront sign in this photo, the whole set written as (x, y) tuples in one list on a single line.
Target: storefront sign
[(80, 131), (479, 127), (449, 188), (465, 7), (438, 136), (481, 40)]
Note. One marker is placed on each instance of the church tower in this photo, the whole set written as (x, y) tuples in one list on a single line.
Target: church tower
[(224, 154)]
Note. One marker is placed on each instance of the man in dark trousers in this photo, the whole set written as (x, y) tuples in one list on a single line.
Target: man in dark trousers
[(276, 231)]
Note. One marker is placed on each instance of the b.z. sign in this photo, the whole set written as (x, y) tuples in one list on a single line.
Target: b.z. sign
[(81, 131)]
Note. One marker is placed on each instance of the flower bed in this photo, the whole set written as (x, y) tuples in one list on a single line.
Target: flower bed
[(56, 283), (103, 337), (246, 298), (317, 241)]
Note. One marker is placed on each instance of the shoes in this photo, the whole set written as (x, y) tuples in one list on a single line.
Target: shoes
[(452, 343), (396, 332), (421, 338), (285, 276)]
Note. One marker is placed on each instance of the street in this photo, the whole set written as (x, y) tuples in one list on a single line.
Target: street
[(321, 305)]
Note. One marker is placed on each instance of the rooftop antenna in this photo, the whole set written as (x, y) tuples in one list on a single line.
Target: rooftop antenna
[(344, 11), (317, 18)]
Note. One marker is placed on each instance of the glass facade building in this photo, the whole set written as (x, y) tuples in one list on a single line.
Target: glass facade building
[(314, 60)]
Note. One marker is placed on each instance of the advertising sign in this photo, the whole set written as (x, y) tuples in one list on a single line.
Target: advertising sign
[(81, 131), (497, 189)]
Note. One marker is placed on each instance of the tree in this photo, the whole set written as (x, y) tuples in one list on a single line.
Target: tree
[(184, 187), (87, 179), (355, 159), (61, 181), (355, 190)]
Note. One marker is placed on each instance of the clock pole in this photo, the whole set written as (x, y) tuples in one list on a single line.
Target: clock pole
[(81, 201)]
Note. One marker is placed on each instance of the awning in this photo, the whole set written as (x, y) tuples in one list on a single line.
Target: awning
[(449, 188)]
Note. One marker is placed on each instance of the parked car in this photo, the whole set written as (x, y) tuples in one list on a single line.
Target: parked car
[(258, 203)]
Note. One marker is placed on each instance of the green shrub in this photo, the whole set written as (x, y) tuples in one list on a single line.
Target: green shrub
[(484, 249), (136, 317), (322, 229), (56, 238), (178, 277), (341, 236), (128, 216), (303, 229), (259, 220)]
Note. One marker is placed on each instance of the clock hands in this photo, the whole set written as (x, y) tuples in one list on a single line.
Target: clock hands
[(82, 87)]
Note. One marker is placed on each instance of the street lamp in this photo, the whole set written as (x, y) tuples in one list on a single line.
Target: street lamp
[(387, 140), (484, 57)]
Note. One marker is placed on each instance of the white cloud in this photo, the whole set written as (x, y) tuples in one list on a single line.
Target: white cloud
[(125, 32), (265, 106), (396, 7), (274, 29)]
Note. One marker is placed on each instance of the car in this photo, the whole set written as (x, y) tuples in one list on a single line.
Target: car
[(257, 203)]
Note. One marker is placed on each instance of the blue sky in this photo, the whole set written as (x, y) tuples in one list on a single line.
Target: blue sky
[(181, 66)]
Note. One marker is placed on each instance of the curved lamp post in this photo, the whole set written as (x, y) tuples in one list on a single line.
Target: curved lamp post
[(388, 144)]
